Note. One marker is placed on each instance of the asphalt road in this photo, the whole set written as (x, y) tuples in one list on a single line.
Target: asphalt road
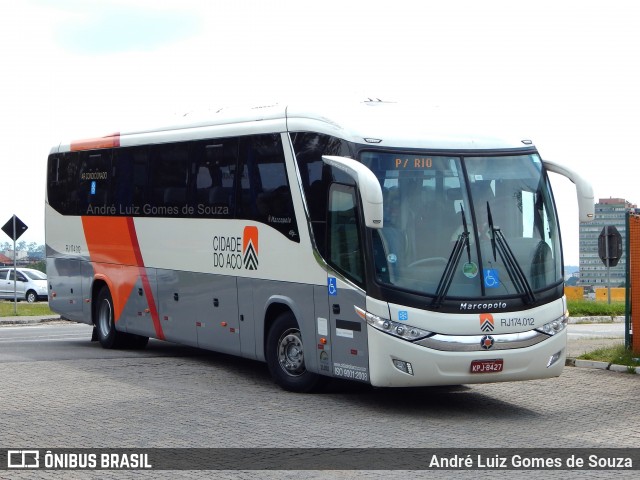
[(583, 338), (59, 390)]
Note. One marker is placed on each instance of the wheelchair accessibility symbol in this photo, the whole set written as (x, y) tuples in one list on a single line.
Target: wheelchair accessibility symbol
[(332, 286), (491, 278)]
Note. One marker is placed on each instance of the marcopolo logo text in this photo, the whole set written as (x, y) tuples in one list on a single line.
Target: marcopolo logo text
[(482, 305)]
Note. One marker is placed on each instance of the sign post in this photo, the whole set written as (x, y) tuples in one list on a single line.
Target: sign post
[(610, 251), (15, 228)]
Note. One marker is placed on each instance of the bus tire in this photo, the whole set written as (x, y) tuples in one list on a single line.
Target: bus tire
[(105, 324), (285, 356)]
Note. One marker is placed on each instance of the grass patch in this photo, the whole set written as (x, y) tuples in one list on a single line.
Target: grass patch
[(618, 355), (586, 308), (24, 309)]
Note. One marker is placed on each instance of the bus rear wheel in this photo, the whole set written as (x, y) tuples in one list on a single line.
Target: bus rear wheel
[(105, 326), (285, 356), (105, 323)]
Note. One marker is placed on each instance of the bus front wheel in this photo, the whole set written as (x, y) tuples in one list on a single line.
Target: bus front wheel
[(285, 356)]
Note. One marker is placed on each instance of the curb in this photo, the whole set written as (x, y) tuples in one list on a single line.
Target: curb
[(28, 320), (604, 319), (573, 362)]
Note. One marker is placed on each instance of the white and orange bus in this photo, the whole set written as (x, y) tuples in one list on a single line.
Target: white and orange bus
[(366, 243)]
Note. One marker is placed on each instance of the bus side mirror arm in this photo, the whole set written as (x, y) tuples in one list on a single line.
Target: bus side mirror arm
[(584, 190), (368, 185)]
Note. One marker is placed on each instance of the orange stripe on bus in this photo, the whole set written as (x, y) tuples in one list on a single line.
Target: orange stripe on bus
[(108, 141), (146, 285), (115, 254), (112, 255)]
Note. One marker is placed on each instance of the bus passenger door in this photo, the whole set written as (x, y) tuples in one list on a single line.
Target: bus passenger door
[(349, 352), (345, 253)]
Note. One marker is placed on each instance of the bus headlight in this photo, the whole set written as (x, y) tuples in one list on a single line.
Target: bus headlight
[(400, 330), (555, 326)]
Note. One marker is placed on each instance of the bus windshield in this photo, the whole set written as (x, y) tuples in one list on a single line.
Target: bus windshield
[(465, 226)]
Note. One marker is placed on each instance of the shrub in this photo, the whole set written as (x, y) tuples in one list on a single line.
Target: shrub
[(589, 308)]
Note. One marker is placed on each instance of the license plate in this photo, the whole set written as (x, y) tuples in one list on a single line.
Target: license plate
[(487, 366)]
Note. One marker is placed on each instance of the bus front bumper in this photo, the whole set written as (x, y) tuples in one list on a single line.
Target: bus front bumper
[(433, 367)]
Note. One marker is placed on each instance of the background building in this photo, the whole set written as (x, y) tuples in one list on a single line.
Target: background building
[(608, 211)]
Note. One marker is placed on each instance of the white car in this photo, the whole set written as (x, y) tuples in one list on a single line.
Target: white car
[(31, 285)]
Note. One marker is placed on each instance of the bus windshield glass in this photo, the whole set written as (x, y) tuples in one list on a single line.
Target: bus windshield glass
[(472, 227)]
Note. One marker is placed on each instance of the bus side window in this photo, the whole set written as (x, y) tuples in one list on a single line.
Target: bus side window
[(215, 167), (317, 176), (63, 177), (95, 182), (264, 188), (131, 179), (170, 178)]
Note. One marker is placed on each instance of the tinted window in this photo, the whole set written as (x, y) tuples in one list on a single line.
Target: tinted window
[(345, 249), (131, 180), (240, 177), (169, 179), (215, 164), (265, 194), (63, 177), (95, 180), (317, 176)]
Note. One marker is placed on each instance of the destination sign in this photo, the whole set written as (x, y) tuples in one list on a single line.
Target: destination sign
[(413, 162)]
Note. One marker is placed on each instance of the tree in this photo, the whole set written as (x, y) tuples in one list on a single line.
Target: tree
[(42, 266), (572, 281)]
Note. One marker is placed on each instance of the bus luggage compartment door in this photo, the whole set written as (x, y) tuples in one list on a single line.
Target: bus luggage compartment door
[(216, 313), (65, 288)]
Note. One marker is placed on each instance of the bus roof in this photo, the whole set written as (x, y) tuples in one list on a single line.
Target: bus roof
[(383, 124)]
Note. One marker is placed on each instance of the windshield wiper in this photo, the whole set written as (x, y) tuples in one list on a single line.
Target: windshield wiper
[(452, 263), (517, 276)]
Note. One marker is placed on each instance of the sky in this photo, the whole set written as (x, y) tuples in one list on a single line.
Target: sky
[(563, 73)]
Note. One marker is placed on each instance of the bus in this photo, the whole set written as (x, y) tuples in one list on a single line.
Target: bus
[(366, 242)]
